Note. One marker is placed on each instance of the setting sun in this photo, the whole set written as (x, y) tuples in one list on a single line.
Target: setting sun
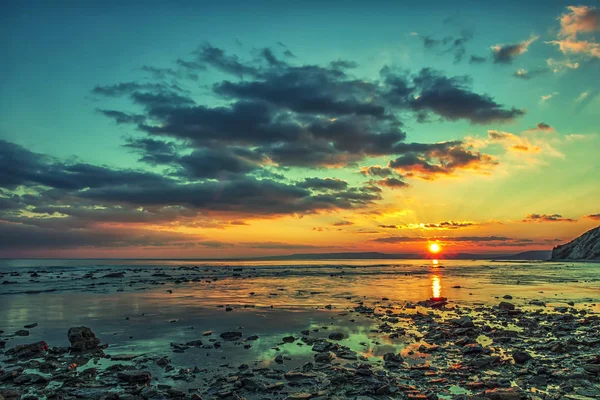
[(434, 248)]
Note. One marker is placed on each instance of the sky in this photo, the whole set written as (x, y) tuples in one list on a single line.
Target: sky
[(188, 129)]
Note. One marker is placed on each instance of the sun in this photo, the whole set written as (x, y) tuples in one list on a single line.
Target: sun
[(434, 248)]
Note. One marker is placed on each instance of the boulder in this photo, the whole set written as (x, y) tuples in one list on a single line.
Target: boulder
[(82, 338)]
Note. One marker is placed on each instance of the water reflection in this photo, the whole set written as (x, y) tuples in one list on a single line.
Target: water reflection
[(435, 262), (436, 287)]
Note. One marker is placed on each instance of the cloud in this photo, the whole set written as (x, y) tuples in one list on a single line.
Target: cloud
[(455, 45), (20, 236), (578, 20), (522, 73), (451, 99), (506, 53), (323, 184), (219, 59), (477, 59), (441, 159), (544, 127), (392, 183), (280, 245), (595, 217), (547, 218), (376, 171), (343, 223), (557, 65), (474, 239)]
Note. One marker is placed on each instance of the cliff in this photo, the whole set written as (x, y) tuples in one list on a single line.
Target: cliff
[(585, 247)]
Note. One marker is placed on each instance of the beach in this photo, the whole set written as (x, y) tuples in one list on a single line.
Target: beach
[(362, 329)]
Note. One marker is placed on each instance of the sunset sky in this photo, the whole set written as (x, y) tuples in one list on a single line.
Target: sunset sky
[(183, 129)]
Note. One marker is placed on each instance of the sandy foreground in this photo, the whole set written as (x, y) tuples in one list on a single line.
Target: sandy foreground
[(380, 331)]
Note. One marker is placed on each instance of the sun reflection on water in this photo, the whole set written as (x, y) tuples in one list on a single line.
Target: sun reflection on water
[(436, 287)]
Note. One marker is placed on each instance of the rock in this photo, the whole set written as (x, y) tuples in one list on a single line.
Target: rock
[(321, 346), (592, 368), (288, 339), (336, 336), (464, 322), (323, 358), (507, 297), (22, 332), (505, 394), (195, 343), (279, 359), (504, 305), (230, 336), (114, 275), (30, 326), (134, 376), (82, 338), (29, 350), (521, 357), (300, 396)]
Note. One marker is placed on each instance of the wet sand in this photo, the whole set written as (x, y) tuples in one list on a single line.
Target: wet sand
[(303, 329)]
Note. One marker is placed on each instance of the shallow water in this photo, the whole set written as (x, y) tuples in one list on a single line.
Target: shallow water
[(159, 302)]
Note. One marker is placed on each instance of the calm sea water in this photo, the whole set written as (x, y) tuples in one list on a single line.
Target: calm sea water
[(163, 301)]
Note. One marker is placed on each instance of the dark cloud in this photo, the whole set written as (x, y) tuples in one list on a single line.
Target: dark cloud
[(164, 73), (127, 88), (506, 53), (343, 223), (392, 183), (544, 127), (451, 99), (547, 218), (279, 245), (121, 117), (323, 184), (190, 65), (219, 59), (595, 217), (376, 171), (343, 64), (307, 89), (477, 59), (440, 159), (19, 166), (20, 236), (408, 239), (270, 58), (455, 45)]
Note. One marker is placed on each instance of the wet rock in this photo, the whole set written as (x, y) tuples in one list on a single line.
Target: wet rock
[(521, 357), (336, 336), (288, 339), (464, 322), (323, 358), (82, 338), (28, 350), (30, 379), (230, 336), (504, 305), (279, 359), (31, 326), (507, 297), (592, 368), (135, 376), (505, 394), (22, 332), (114, 275)]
